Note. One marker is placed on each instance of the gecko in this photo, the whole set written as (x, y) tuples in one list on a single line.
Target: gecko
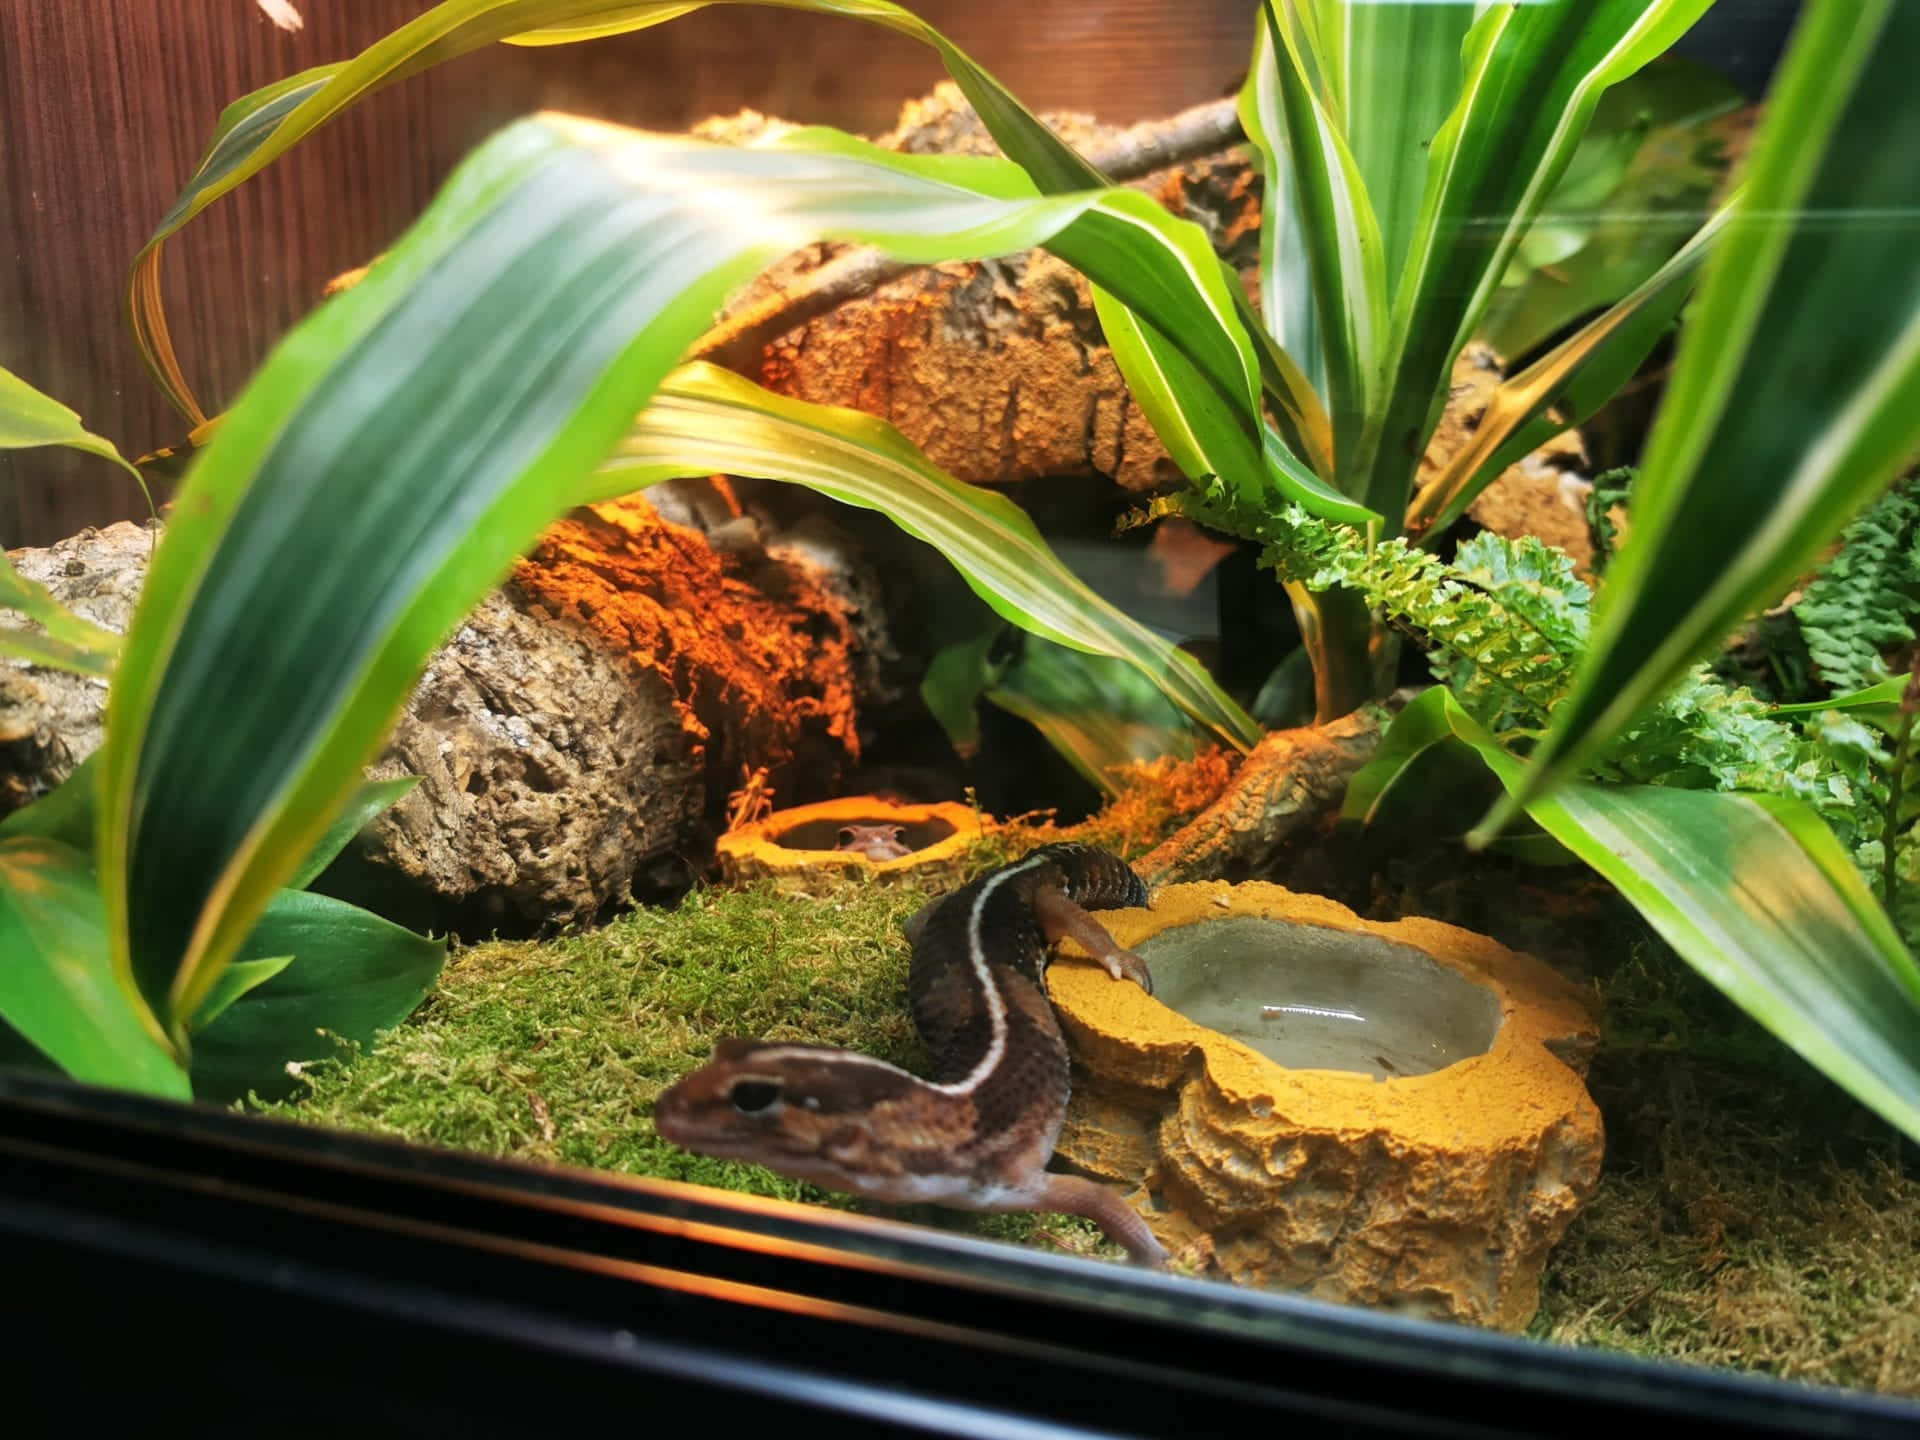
[(977, 1132), (876, 842)]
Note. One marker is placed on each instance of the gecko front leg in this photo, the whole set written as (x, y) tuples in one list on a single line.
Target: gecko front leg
[(1061, 919)]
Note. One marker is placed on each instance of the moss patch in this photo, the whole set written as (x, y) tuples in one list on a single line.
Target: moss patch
[(554, 1052), (1749, 1215)]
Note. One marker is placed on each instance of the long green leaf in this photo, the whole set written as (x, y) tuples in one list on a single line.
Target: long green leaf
[(70, 642), (1340, 236), (704, 419), (1796, 394), (1399, 68), (1532, 75), (257, 129), (29, 419), (1100, 715), (1286, 280), (56, 986), (1756, 894), (65, 813), (1206, 436), (429, 421), (1572, 380), (236, 980), (372, 800), (68, 814)]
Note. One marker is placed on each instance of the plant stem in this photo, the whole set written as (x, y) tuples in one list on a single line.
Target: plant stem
[(1896, 785)]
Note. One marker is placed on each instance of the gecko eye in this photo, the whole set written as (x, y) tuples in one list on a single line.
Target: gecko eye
[(753, 1097)]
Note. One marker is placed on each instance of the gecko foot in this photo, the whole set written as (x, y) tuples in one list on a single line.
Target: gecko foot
[(1061, 919), (1125, 965)]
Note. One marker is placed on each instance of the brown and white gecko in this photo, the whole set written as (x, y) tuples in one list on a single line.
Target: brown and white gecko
[(977, 1133)]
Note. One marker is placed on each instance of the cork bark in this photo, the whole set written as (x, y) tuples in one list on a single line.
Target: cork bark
[(578, 733), (996, 369)]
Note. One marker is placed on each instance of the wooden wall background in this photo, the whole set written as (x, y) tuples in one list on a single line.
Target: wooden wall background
[(105, 106)]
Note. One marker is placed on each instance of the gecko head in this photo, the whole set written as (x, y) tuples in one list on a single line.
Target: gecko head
[(876, 842), (808, 1111)]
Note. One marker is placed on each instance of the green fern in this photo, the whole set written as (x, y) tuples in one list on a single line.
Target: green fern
[(1855, 611), (1503, 624), (1507, 622), (1704, 735)]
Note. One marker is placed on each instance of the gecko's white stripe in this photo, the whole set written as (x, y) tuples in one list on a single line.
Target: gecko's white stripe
[(990, 993)]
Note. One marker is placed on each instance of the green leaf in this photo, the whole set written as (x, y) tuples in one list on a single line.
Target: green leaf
[(1204, 434), (1795, 397), (1415, 731), (1339, 235), (57, 989), (372, 800), (29, 419), (65, 813), (1096, 712), (1877, 705), (1633, 192), (1532, 76), (1756, 894), (236, 980), (1400, 74), (1572, 381), (1286, 278), (956, 677), (257, 129), (704, 419), (353, 975), (70, 642), (433, 418)]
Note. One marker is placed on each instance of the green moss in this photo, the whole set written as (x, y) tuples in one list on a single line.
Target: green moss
[(1749, 1214), (554, 1052)]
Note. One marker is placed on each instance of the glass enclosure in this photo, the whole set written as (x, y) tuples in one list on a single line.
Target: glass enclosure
[(1271, 640)]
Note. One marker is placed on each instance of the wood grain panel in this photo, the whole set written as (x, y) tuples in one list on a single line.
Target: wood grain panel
[(106, 104)]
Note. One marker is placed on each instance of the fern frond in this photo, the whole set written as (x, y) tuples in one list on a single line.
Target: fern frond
[(1856, 609), (1504, 625)]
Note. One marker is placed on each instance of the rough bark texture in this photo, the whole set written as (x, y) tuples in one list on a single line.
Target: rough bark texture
[(582, 725), (998, 369), (1543, 494), (1437, 1195), (1286, 783), (49, 720)]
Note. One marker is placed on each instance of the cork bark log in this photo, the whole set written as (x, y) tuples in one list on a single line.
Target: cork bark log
[(577, 734), (997, 369)]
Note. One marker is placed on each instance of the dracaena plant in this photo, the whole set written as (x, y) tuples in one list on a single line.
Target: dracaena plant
[(514, 354)]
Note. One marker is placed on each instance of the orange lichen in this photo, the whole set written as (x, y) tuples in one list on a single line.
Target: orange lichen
[(1156, 797), (758, 657)]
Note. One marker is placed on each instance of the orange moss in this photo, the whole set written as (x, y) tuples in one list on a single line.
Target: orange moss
[(1156, 798), (757, 655)]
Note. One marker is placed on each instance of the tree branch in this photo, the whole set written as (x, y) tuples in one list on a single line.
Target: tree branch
[(1135, 152)]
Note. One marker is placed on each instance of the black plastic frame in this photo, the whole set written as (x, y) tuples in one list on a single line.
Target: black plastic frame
[(216, 1273)]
